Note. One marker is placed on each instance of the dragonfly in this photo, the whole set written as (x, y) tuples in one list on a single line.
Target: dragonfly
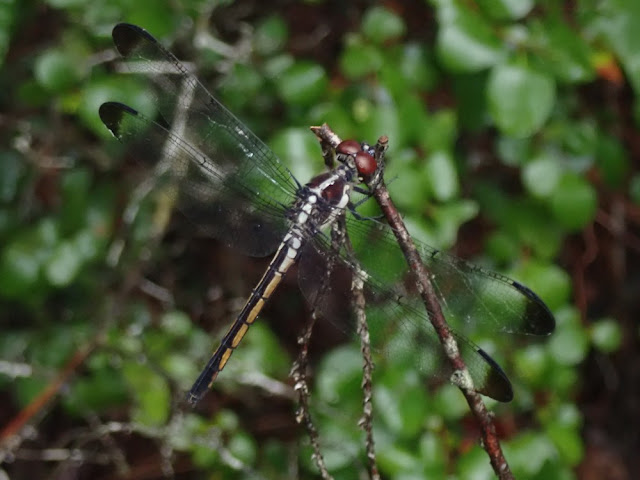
[(234, 188)]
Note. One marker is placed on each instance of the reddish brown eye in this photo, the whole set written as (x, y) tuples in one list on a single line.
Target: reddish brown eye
[(348, 147), (365, 164)]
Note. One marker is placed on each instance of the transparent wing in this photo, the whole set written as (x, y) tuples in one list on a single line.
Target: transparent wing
[(470, 296), (202, 189), (473, 300), (214, 163)]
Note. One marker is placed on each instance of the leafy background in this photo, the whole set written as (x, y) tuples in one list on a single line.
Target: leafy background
[(513, 128)]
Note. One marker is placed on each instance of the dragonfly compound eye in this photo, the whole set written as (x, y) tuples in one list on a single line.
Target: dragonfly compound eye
[(365, 164), (348, 147)]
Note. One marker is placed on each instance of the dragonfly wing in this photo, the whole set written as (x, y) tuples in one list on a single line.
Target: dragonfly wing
[(399, 326), (472, 298), (230, 184), (191, 181)]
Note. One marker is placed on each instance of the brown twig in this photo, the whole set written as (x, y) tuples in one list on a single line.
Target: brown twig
[(43, 398), (301, 386), (461, 377), (359, 307)]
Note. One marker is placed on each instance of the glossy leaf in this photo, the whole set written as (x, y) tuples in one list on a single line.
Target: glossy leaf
[(506, 9), (303, 83), (271, 35), (519, 99), (574, 202), (606, 335), (569, 344), (542, 175), (562, 50), (381, 25), (57, 70), (465, 41), (442, 173), (359, 59), (528, 452)]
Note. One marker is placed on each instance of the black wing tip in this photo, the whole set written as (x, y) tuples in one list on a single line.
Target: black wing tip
[(126, 37), (111, 115), (541, 320), (497, 384)]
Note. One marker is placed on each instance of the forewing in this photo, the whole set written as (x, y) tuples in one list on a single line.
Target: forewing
[(224, 178)]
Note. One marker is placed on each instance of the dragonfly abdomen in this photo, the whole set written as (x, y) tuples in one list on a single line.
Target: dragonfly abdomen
[(283, 259)]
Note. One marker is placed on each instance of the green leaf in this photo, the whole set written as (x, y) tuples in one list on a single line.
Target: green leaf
[(57, 70), (62, 4), (339, 376), (270, 35), (433, 453), (541, 176), (416, 66), (381, 25), (64, 265), (528, 452), (465, 43), (469, 90), (294, 146), (574, 202), (473, 465), (447, 219), (151, 393), (532, 363), (613, 161), (303, 83), (395, 461), (450, 403), (176, 323), (409, 187), (96, 393), (568, 441), (606, 335), (359, 59), (569, 344), (241, 86), (440, 131), (384, 120), (502, 247), (21, 261), (520, 99), (75, 186), (402, 403), (8, 17), (561, 52), (443, 176), (514, 151), (243, 447), (506, 9)]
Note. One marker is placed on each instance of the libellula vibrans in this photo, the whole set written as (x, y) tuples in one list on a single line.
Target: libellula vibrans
[(234, 187)]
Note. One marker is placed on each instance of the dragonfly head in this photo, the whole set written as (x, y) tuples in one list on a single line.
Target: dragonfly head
[(357, 156)]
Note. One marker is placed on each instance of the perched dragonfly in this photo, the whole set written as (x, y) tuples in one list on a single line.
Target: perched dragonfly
[(235, 188)]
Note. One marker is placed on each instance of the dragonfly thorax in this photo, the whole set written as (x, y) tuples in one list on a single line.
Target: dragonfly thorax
[(320, 201)]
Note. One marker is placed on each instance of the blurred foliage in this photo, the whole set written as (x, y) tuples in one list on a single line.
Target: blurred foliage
[(503, 119)]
